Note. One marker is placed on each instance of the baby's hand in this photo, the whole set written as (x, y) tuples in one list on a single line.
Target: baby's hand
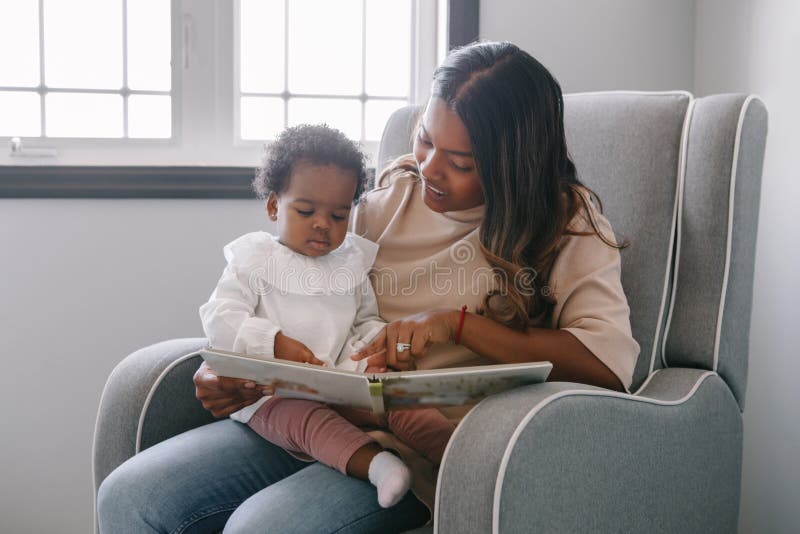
[(290, 349)]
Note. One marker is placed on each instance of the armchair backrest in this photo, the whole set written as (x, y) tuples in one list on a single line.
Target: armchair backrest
[(627, 148), (635, 150)]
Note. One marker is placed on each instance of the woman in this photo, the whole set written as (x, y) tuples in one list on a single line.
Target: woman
[(488, 214)]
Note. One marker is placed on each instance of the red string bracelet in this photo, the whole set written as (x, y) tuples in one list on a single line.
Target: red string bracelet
[(457, 337)]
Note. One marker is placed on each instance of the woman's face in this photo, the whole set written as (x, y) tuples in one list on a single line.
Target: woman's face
[(444, 155)]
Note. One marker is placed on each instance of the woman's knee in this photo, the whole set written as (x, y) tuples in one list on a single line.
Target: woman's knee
[(121, 502), (133, 499)]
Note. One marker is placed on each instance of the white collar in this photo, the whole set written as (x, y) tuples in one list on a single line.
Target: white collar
[(273, 266)]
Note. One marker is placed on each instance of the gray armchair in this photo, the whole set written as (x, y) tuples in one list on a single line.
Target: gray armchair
[(680, 178)]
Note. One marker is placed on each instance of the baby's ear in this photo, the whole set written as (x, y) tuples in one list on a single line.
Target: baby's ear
[(271, 206)]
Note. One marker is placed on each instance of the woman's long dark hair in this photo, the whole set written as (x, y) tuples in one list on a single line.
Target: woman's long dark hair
[(513, 111)]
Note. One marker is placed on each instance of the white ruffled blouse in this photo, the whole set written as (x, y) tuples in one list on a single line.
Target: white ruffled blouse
[(327, 302)]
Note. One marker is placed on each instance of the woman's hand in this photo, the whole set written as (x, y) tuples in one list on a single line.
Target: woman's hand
[(420, 330), (287, 348), (222, 395)]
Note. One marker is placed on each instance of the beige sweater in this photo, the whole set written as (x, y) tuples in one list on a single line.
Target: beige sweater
[(432, 260)]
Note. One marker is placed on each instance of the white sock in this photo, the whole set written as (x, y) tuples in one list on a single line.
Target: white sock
[(390, 475)]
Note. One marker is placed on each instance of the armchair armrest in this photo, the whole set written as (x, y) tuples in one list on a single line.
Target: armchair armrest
[(148, 398), (561, 457)]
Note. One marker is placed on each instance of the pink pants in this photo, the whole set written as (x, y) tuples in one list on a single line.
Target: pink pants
[(331, 434)]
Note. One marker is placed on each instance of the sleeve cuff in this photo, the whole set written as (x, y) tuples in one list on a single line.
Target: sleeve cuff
[(615, 352), (372, 329), (256, 337)]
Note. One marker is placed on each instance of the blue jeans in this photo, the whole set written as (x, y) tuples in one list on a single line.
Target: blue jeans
[(223, 475)]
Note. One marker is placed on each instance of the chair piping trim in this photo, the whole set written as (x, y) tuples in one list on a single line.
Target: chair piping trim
[(731, 202), (498, 488), (441, 470), (646, 382), (677, 229), (150, 395)]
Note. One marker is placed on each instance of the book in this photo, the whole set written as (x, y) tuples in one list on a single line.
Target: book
[(377, 392)]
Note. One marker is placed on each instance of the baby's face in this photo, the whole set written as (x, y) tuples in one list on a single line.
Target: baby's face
[(313, 212)]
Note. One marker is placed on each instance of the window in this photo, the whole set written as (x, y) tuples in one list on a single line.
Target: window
[(349, 65), (72, 76), (99, 89)]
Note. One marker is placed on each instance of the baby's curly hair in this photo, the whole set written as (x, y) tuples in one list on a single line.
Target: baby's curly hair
[(317, 144)]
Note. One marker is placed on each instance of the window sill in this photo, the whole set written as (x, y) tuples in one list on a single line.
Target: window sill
[(125, 182)]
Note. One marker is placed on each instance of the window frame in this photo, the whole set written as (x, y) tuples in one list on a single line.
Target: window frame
[(205, 171), (76, 148)]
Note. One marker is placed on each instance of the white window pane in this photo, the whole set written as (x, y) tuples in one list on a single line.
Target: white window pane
[(83, 43), (340, 113), (20, 114), (261, 118), (325, 47), (83, 115), (388, 47), (19, 43), (149, 116), (376, 113), (149, 45), (262, 47)]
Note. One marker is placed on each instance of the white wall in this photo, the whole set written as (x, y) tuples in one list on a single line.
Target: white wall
[(83, 283), (593, 45), (752, 46)]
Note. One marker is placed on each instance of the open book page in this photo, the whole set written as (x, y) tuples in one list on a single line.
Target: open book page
[(378, 392), (457, 386), (295, 380)]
